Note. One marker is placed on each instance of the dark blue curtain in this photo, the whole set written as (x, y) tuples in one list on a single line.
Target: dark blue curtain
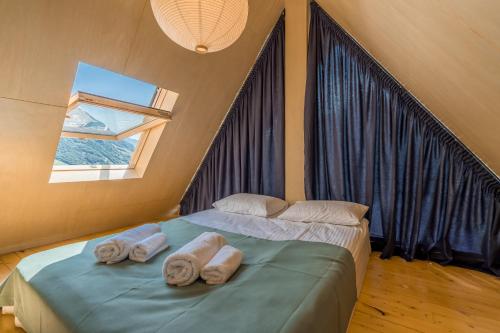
[(368, 140), (247, 154)]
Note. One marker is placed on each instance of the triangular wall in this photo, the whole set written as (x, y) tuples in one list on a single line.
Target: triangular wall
[(247, 154), (368, 140)]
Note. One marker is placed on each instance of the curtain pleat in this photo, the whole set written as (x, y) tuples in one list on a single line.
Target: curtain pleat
[(368, 140), (247, 154)]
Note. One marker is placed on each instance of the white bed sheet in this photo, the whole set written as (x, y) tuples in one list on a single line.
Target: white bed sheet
[(356, 239)]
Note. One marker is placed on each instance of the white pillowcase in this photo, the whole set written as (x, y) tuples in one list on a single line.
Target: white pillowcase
[(325, 211), (251, 204)]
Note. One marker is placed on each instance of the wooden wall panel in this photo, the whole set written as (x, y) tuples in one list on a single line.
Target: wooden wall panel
[(41, 43), (447, 53), (297, 26), (43, 40)]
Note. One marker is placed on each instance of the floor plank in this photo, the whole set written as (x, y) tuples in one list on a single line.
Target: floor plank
[(397, 296), (7, 325), (10, 258), (421, 296)]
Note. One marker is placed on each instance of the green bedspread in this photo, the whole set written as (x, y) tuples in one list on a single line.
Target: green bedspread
[(281, 286)]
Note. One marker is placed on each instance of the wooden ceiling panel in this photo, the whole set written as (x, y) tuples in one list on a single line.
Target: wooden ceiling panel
[(447, 53), (42, 42)]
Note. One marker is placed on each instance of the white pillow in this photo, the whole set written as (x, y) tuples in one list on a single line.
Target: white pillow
[(251, 204), (334, 212)]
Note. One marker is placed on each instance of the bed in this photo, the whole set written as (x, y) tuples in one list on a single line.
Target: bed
[(295, 277)]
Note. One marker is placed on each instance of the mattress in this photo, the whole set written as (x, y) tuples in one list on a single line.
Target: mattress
[(356, 239), (35, 313)]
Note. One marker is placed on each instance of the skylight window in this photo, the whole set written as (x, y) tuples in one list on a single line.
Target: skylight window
[(99, 81), (102, 121), (108, 120)]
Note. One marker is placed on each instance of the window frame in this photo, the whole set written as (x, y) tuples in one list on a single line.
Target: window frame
[(161, 109)]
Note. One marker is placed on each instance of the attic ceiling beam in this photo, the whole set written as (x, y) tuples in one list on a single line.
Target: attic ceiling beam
[(296, 25)]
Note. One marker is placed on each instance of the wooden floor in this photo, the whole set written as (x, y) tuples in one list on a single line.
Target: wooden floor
[(397, 296)]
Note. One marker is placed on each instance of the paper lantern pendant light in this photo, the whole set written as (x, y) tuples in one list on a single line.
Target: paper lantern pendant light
[(201, 25)]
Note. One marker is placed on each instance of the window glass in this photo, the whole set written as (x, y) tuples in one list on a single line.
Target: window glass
[(92, 119), (75, 151), (101, 82), (89, 134)]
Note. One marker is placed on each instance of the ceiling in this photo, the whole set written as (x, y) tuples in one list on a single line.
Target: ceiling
[(447, 53)]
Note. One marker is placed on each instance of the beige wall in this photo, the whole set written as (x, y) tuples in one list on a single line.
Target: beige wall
[(297, 22), (447, 53), (41, 42)]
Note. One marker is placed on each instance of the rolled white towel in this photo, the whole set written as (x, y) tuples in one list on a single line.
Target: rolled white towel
[(183, 267), (220, 268), (147, 248), (117, 248)]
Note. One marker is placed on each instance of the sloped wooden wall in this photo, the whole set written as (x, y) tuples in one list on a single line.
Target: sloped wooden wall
[(41, 42)]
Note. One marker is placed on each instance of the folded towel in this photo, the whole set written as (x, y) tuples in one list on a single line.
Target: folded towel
[(183, 266), (147, 248), (220, 268), (117, 248)]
